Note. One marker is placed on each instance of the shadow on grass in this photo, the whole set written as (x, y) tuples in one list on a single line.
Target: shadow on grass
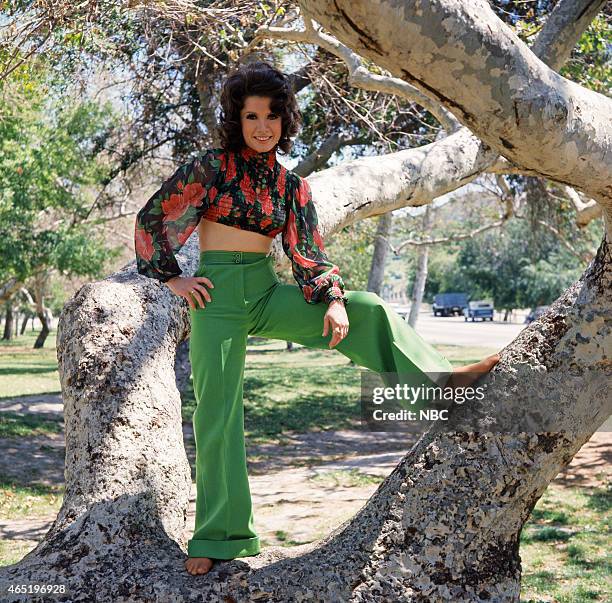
[(16, 425)]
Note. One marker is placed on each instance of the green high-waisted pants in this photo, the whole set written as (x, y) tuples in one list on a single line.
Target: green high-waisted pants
[(249, 300)]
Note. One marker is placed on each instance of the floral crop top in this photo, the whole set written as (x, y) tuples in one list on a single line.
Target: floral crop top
[(246, 190)]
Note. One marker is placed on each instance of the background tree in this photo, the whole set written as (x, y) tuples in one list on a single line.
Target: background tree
[(50, 165), (527, 261)]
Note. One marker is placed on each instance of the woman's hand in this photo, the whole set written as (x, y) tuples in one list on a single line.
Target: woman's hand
[(336, 319), (191, 287)]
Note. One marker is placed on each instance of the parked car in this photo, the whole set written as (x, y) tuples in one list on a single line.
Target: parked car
[(449, 304), (535, 313), (482, 309)]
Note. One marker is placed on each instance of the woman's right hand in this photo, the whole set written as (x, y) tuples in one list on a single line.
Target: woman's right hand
[(191, 287)]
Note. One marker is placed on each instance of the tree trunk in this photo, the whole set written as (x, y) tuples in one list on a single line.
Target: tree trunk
[(421, 274), (43, 313), (8, 321), (379, 257), (444, 525), (24, 323), (44, 316)]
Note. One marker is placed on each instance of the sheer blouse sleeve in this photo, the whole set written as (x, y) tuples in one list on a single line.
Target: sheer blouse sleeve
[(169, 217), (318, 278)]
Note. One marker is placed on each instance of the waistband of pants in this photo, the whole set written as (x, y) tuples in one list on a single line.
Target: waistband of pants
[(221, 256)]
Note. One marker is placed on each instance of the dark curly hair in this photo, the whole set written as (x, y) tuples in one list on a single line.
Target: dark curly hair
[(257, 78)]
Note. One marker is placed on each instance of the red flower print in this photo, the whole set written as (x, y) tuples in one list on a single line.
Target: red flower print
[(275, 231), (307, 291), (298, 258), (231, 168), (174, 208), (266, 202), (291, 236), (193, 193), (183, 236), (303, 192), (144, 244), (246, 187), (212, 193), (225, 205), (280, 182), (317, 239), (177, 238), (292, 239), (265, 222)]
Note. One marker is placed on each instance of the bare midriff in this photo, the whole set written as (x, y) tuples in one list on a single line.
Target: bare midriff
[(221, 237)]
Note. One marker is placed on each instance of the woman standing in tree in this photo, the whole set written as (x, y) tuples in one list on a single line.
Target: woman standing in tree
[(240, 197)]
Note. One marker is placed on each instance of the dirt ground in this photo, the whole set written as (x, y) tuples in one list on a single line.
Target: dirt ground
[(301, 488)]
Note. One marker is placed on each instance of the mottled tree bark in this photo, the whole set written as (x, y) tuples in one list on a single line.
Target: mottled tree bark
[(445, 525), (512, 101)]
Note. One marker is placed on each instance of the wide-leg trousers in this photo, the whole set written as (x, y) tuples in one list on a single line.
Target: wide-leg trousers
[(248, 299)]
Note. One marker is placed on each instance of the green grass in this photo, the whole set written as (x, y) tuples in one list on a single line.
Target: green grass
[(25, 370), (565, 546), (19, 501), (283, 540), (345, 478), (13, 551), (460, 355), (14, 425), (302, 390)]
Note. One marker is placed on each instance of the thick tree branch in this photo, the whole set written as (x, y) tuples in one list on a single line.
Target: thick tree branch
[(512, 101), (585, 212), (562, 29), (358, 74), (318, 158)]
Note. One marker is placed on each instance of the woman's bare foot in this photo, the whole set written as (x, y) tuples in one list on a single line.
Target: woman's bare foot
[(198, 565), (462, 376)]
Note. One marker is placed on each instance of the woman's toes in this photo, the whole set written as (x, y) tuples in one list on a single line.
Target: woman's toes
[(198, 565)]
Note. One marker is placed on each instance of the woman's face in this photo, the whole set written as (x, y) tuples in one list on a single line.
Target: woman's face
[(259, 122)]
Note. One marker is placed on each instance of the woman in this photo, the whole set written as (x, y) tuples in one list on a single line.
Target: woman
[(240, 197)]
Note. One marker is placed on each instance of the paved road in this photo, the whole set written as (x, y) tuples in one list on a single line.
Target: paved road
[(453, 330)]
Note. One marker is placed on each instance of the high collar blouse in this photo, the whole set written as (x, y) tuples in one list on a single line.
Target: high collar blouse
[(248, 190)]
